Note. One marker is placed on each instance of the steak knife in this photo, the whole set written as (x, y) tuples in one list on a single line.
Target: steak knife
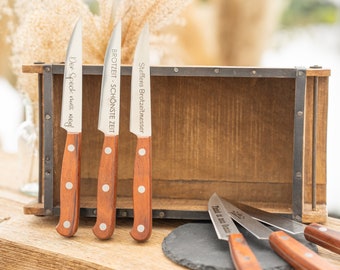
[(316, 233), (291, 250), (108, 123), (242, 256), (71, 121), (140, 125)]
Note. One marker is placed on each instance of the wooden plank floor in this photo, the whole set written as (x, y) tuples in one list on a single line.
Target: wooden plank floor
[(31, 242)]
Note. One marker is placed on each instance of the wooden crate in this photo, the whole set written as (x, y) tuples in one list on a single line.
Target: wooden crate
[(255, 135)]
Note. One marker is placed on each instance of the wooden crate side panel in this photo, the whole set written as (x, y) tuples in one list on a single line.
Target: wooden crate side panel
[(321, 140), (234, 131)]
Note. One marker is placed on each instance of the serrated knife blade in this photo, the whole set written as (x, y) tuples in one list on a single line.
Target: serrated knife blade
[(108, 123), (242, 255), (140, 125), (71, 121)]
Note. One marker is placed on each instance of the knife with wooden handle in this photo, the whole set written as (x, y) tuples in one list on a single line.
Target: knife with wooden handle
[(315, 233), (242, 256), (323, 236), (291, 250), (71, 114), (297, 254), (140, 125), (108, 123)]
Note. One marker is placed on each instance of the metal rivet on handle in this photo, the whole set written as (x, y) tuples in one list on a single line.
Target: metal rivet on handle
[(308, 255), (108, 150), (102, 226), (285, 237), (69, 185), (323, 229), (105, 188), (67, 224), (140, 228), (71, 147), (141, 189), (141, 151)]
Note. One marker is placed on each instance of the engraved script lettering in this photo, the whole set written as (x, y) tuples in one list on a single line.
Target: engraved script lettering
[(238, 214), (69, 80), (221, 220), (141, 84), (113, 91)]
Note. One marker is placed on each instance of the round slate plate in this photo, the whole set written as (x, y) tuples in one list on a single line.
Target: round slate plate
[(196, 246)]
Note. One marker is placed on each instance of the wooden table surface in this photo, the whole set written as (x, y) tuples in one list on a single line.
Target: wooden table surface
[(31, 242)]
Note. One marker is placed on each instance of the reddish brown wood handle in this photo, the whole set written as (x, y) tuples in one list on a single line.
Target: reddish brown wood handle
[(242, 255), (142, 191), (69, 186), (107, 189), (296, 254), (323, 236)]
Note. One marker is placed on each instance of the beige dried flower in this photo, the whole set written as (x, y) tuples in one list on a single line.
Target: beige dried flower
[(45, 27), (6, 27)]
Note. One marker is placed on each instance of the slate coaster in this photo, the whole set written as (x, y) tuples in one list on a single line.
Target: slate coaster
[(196, 246)]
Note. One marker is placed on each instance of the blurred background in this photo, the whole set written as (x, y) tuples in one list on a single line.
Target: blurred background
[(270, 33)]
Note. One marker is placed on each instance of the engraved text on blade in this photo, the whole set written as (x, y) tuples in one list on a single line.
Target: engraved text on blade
[(70, 81), (113, 115), (141, 91)]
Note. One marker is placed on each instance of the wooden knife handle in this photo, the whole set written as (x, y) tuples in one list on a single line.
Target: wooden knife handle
[(107, 189), (142, 191), (69, 186), (296, 254), (242, 255), (322, 236)]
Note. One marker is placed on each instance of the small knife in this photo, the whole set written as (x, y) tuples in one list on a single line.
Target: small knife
[(316, 233), (242, 256), (108, 123), (292, 251), (140, 125), (71, 114)]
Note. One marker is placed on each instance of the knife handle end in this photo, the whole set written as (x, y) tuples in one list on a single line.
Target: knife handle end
[(69, 186), (107, 189), (322, 236), (296, 254), (142, 191)]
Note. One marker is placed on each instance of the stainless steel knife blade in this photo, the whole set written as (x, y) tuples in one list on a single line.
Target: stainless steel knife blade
[(140, 125), (223, 224), (242, 255), (140, 111), (295, 253), (108, 123), (282, 223), (71, 108), (109, 108), (71, 121), (316, 233)]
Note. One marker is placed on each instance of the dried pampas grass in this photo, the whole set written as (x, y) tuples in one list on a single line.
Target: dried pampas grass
[(44, 28), (6, 27)]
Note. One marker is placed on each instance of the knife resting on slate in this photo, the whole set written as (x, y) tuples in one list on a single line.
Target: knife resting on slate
[(292, 251), (315, 233)]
